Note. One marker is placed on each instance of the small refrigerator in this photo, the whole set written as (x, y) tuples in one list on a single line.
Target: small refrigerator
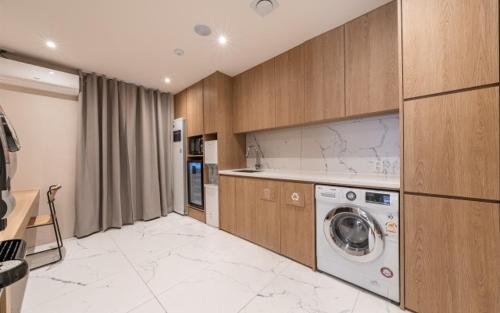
[(195, 183)]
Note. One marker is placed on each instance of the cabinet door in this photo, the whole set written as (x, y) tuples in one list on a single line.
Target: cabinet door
[(227, 204), (290, 87), (245, 208), (452, 249), (324, 76), (210, 101), (451, 144), (180, 104), (195, 109), (297, 222), (372, 62), (267, 222), (254, 98), (449, 45)]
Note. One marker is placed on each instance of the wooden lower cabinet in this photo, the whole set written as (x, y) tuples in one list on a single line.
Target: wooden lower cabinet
[(267, 214), (245, 208), (275, 214), (227, 210), (297, 222), (452, 248)]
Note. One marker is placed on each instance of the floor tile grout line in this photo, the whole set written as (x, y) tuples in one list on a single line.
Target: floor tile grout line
[(142, 279)]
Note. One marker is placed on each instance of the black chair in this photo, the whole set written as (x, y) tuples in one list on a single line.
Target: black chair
[(49, 220)]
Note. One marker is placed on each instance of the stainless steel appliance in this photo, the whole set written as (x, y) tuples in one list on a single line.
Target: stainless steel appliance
[(179, 157), (195, 183), (8, 163), (196, 146)]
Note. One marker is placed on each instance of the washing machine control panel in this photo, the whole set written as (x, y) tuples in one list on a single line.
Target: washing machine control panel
[(350, 195), (378, 198)]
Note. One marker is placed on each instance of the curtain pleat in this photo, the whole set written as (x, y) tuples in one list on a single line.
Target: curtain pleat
[(124, 165)]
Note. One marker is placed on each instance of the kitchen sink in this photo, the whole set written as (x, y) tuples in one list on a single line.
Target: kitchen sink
[(248, 171)]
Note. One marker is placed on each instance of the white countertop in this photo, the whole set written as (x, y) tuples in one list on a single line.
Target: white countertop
[(354, 180)]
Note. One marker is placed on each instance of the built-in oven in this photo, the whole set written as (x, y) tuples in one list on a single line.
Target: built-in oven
[(195, 182)]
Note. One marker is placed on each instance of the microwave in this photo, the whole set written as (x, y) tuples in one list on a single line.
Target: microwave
[(196, 146)]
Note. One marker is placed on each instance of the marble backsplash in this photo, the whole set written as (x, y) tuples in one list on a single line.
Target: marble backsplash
[(362, 146)]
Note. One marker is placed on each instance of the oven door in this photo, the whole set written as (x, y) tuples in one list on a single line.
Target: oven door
[(354, 234)]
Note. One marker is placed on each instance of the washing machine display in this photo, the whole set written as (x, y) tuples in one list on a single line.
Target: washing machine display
[(357, 237)]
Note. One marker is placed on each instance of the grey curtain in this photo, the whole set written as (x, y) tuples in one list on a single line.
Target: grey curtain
[(124, 161)]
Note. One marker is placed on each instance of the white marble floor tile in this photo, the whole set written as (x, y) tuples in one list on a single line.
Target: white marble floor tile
[(86, 261), (152, 306), (119, 293), (209, 292)]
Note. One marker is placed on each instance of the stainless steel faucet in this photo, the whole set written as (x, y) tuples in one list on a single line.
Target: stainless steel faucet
[(258, 155)]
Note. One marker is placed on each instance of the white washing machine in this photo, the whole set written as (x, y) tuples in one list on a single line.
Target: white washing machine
[(357, 237)]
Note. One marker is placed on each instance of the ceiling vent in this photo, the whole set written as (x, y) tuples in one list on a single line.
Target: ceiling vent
[(264, 7)]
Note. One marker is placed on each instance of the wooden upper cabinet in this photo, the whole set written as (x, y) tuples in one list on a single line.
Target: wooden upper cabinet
[(180, 104), (372, 62), (451, 255), (297, 222), (267, 215), (451, 144), (210, 103), (195, 109), (324, 76), (290, 87), (227, 203), (449, 45), (254, 98)]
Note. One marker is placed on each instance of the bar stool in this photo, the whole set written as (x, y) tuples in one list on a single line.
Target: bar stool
[(49, 220)]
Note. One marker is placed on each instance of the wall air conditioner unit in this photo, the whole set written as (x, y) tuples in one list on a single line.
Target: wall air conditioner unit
[(19, 74)]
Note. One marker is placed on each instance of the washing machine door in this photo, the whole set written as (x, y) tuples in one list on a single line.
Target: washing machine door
[(354, 234)]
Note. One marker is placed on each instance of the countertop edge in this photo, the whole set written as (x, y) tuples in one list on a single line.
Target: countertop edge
[(346, 182)]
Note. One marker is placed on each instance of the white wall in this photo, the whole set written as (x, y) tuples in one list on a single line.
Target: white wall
[(47, 130)]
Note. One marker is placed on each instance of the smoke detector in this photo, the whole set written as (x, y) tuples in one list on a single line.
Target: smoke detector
[(264, 7)]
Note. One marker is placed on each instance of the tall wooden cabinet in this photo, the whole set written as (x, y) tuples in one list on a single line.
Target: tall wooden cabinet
[(449, 45), (371, 74), (324, 76), (452, 255), (211, 100), (194, 108)]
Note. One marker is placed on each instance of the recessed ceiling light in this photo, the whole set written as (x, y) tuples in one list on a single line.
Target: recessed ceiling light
[(51, 72), (178, 51), (222, 40), (167, 80), (50, 44), (202, 30)]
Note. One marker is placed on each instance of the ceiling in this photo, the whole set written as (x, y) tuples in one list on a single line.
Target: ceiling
[(134, 40)]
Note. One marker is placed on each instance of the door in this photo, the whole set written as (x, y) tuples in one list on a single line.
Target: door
[(297, 222), (245, 208), (195, 183), (227, 209), (267, 221), (324, 76), (354, 234), (452, 249)]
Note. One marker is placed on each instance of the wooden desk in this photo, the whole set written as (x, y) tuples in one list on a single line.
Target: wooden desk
[(26, 204)]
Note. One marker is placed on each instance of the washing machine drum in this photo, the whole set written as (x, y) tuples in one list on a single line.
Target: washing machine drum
[(354, 234)]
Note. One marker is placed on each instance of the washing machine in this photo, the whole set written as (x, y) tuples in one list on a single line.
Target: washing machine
[(357, 237)]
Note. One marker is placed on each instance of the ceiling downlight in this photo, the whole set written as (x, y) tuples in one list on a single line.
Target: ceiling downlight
[(264, 7)]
